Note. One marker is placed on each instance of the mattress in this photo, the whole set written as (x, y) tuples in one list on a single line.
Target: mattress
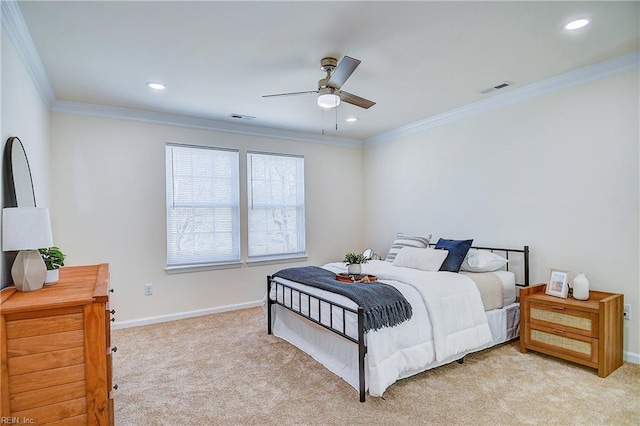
[(509, 285)]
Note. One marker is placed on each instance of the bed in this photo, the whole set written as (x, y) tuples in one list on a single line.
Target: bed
[(449, 319)]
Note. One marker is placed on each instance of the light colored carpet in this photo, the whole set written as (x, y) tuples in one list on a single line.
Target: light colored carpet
[(225, 369)]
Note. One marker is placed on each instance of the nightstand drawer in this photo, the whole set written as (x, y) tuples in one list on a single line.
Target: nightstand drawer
[(564, 319), (574, 345)]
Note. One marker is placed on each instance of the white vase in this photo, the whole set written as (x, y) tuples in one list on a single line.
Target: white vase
[(581, 287), (52, 277), (354, 269)]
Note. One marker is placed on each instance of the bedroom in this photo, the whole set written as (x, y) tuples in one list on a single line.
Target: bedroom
[(557, 171)]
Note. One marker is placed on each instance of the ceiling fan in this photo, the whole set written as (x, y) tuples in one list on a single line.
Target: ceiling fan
[(329, 93)]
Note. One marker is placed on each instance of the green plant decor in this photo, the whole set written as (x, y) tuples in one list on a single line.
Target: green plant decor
[(354, 258), (53, 257)]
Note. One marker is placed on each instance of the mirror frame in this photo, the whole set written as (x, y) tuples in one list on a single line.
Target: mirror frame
[(10, 197)]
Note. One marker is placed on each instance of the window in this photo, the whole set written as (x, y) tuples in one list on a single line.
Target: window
[(275, 189), (203, 215)]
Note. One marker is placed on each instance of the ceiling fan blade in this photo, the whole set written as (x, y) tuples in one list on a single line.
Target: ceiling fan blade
[(308, 92), (356, 100), (344, 70)]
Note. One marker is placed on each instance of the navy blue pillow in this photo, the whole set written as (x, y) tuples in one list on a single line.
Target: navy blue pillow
[(457, 252)]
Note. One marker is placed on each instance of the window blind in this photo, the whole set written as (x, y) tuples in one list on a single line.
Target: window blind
[(276, 211), (203, 215)]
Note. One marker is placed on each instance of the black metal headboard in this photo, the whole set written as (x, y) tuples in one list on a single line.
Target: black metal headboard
[(523, 253)]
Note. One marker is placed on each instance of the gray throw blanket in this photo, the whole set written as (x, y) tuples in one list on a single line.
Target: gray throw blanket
[(384, 305)]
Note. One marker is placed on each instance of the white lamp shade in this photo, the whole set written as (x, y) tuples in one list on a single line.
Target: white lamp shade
[(26, 228)]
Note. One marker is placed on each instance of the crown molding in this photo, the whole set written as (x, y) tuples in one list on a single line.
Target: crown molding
[(19, 33), (553, 84), (120, 113)]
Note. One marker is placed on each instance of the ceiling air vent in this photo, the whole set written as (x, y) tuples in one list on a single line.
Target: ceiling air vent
[(242, 117), (496, 87)]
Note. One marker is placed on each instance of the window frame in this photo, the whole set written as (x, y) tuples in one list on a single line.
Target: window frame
[(301, 213), (233, 261)]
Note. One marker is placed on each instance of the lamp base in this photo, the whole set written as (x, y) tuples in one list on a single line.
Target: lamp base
[(28, 271)]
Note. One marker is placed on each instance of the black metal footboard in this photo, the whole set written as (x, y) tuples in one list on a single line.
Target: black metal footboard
[(312, 300)]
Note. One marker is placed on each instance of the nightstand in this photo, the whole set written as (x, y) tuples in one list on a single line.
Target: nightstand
[(587, 332)]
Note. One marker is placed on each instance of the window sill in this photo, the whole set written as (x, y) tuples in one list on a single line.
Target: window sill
[(200, 268), (272, 260)]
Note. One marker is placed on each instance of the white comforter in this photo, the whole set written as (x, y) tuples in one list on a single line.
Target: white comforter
[(448, 321)]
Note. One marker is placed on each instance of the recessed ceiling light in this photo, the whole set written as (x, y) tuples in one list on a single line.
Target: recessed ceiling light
[(351, 119), (578, 23), (155, 85)]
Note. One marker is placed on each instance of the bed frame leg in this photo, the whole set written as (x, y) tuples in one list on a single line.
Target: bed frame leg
[(362, 351), (269, 303)]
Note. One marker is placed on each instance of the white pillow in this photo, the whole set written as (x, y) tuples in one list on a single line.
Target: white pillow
[(482, 261), (424, 259)]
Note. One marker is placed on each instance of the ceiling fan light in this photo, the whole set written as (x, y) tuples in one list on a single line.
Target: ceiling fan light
[(327, 98)]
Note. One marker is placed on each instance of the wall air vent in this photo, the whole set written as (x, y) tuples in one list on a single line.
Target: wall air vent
[(242, 117), (496, 87)]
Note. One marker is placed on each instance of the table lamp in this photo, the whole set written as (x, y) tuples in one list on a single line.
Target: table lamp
[(27, 229)]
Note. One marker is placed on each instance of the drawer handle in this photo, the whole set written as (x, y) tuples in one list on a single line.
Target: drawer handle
[(113, 311), (115, 387), (111, 291), (113, 319), (114, 349), (558, 307)]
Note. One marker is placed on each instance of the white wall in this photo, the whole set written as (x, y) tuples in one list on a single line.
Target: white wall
[(108, 192), (26, 115), (559, 173)]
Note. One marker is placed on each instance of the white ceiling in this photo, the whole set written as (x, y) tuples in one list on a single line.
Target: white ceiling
[(419, 59)]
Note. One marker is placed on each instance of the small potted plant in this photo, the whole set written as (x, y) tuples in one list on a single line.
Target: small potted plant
[(354, 261), (53, 259)]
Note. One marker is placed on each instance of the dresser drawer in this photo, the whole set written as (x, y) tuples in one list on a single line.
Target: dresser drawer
[(557, 341), (563, 319)]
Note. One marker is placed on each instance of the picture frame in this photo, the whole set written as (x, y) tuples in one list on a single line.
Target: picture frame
[(558, 283)]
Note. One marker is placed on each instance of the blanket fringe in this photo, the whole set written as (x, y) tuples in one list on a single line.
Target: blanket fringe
[(387, 316)]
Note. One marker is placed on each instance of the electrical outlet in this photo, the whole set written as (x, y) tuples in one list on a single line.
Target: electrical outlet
[(627, 311), (148, 289)]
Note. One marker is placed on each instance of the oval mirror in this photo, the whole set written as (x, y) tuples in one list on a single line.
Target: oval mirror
[(368, 254), (19, 188)]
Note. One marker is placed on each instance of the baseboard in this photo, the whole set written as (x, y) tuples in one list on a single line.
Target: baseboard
[(183, 315), (631, 357)]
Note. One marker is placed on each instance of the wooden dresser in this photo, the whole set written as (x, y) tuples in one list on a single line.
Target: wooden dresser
[(588, 332), (56, 353)]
